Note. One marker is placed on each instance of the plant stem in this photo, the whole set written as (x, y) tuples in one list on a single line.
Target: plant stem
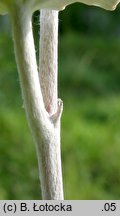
[(48, 58), (42, 125), (49, 78)]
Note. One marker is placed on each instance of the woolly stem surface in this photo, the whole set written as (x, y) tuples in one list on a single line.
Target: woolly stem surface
[(42, 125)]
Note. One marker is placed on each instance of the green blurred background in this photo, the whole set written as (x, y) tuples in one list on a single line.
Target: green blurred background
[(89, 84)]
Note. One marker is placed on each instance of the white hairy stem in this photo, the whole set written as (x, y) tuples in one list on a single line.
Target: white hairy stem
[(48, 58), (44, 127), (48, 74)]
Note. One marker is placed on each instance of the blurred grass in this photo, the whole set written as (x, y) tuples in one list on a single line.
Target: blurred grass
[(91, 148), (89, 85), (90, 64), (18, 165)]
